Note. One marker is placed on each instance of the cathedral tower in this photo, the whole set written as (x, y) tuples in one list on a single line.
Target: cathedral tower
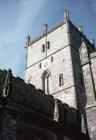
[(53, 62)]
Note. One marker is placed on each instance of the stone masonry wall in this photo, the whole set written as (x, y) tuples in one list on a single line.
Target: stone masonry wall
[(62, 63)]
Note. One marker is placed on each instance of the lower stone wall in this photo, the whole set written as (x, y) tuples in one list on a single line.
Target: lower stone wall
[(28, 114), (91, 121), (11, 129), (8, 127)]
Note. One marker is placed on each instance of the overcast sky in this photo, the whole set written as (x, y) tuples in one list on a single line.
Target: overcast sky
[(21, 17)]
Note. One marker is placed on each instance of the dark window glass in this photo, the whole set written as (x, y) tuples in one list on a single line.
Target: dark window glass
[(48, 45), (43, 48), (61, 82)]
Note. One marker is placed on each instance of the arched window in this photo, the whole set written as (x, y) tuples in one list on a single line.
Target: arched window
[(46, 81), (61, 82)]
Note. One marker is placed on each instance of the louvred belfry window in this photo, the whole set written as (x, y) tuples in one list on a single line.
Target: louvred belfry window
[(48, 45), (43, 47)]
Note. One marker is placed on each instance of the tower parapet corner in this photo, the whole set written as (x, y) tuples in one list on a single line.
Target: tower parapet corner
[(27, 41), (10, 71), (81, 29), (66, 15), (7, 84), (45, 29), (91, 40)]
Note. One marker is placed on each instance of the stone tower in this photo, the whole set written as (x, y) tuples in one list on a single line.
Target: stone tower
[(62, 62), (53, 62)]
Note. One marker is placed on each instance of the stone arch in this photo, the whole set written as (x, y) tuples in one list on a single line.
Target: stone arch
[(46, 81)]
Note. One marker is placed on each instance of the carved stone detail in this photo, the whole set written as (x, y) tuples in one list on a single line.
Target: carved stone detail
[(83, 52)]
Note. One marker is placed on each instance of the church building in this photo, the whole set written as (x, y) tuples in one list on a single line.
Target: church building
[(57, 99), (62, 62)]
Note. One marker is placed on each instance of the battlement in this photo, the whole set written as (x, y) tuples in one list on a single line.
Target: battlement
[(72, 27)]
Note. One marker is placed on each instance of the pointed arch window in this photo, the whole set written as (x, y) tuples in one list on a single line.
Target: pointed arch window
[(46, 81)]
